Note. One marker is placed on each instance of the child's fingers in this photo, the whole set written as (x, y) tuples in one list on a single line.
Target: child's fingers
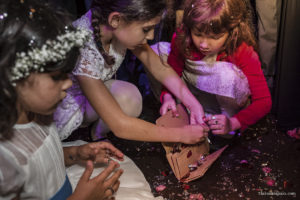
[(192, 120), (218, 132), (117, 185), (214, 122), (217, 127), (103, 150), (211, 123), (111, 149), (112, 189), (107, 171), (114, 178), (168, 105), (112, 184), (172, 107), (205, 127), (88, 171), (86, 152), (163, 109), (199, 120)]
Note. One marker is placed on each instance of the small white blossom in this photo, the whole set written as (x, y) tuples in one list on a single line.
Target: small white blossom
[(52, 51)]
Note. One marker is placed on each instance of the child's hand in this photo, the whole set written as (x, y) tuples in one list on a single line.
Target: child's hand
[(196, 114), (101, 187), (168, 104), (98, 152), (221, 124), (193, 134)]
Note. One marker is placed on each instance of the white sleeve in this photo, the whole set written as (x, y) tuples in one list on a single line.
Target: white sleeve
[(90, 63), (12, 177)]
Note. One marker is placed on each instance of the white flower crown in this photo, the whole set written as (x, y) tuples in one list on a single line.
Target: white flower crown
[(52, 51)]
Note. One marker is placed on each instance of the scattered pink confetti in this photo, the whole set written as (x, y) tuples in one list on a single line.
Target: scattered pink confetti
[(198, 196), (295, 133), (269, 181), (185, 186), (160, 188), (243, 162), (163, 173), (284, 184), (287, 184), (255, 150), (266, 169)]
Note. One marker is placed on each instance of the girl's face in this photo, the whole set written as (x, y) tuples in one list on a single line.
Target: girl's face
[(208, 44), (136, 34), (42, 92)]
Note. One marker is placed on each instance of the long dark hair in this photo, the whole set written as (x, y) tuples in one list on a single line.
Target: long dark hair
[(217, 16), (131, 10), (24, 25)]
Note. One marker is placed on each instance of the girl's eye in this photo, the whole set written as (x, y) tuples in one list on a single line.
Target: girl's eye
[(146, 30), (197, 34), (60, 76), (216, 37)]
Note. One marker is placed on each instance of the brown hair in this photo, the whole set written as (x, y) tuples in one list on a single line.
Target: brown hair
[(215, 17), (131, 10)]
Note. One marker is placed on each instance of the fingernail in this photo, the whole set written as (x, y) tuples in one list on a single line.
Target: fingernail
[(208, 140)]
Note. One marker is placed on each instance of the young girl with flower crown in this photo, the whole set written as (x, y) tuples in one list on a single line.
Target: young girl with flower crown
[(37, 50), (96, 97), (214, 51)]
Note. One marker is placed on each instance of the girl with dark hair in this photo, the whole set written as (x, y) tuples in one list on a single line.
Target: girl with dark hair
[(214, 51), (37, 50), (96, 97)]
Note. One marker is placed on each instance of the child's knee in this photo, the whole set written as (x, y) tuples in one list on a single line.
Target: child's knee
[(90, 114), (128, 97)]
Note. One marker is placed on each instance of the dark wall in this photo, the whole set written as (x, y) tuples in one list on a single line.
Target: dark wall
[(286, 99), (75, 7)]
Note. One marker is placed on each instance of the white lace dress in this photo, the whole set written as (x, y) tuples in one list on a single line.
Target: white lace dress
[(69, 114), (31, 163)]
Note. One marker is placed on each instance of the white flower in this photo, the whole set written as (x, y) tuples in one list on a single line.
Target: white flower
[(52, 51)]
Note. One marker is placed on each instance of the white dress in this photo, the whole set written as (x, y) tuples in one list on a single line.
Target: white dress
[(31, 163), (133, 185), (69, 114), (220, 86)]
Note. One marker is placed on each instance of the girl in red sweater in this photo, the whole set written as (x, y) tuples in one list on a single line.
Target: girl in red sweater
[(214, 51)]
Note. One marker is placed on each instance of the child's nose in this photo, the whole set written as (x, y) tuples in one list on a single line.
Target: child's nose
[(67, 84), (203, 44), (150, 35)]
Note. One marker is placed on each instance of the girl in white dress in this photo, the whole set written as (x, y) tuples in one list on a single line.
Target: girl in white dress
[(36, 51), (109, 104)]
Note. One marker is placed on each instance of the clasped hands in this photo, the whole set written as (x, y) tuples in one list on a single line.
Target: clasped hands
[(98, 152)]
